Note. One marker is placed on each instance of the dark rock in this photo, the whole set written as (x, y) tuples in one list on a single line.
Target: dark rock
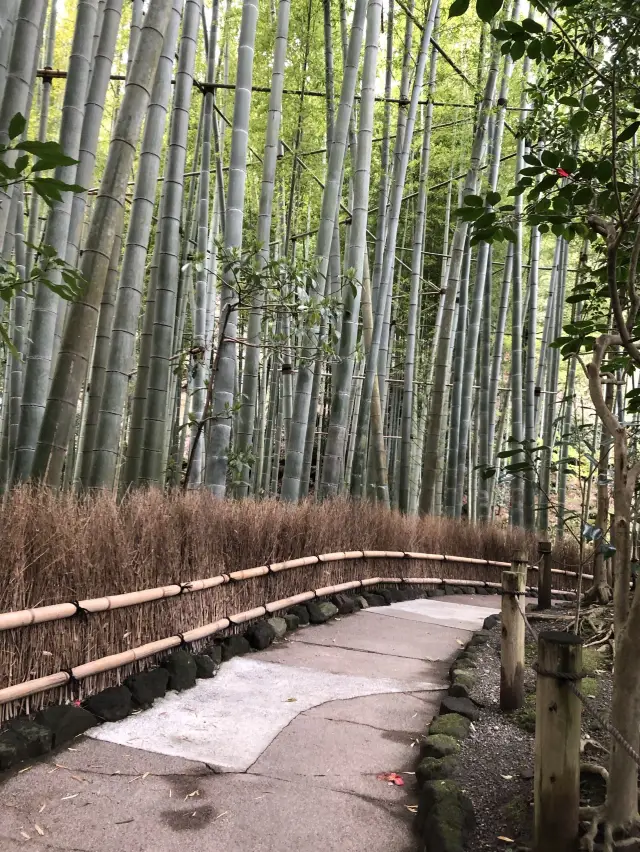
[(490, 622), (344, 603), (469, 590), (316, 615), (458, 690), (481, 590), (205, 667), (435, 769), (479, 639), (439, 745), (374, 599), (357, 603), (141, 688), (445, 817), (182, 670), (451, 724), (110, 705), (302, 612), (291, 620), (449, 590), (37, 738), (461, 706), (279, 626), (328, 609), (215, 652), (260, 635), (12, 749), (65, 721), (463, 677), (391, 595), (158, 680), (234, 646)]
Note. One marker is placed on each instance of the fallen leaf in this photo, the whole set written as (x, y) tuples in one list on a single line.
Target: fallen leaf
[(224, 813), (72, 796), (170, 793), (39, 830), (146, 775), (412, 808), (78, 778), (42, 808), (193, 814), (25, 835), (505, 839), (26, 769), (289, 700), (72, 749), (507, 777), (190, 795), (459, 641), (123, 821), (391, 778)]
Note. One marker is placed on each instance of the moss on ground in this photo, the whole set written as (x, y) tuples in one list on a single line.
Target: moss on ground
[(589, 687), (451, 724), (525, 718)]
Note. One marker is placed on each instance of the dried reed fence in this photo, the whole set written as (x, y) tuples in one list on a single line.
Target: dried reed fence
[(60, 548)]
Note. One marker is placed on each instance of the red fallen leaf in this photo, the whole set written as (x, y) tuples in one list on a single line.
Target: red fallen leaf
[(563, 173), (391, 778)]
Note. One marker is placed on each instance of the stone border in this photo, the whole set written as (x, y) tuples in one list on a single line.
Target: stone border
[(445, 818)]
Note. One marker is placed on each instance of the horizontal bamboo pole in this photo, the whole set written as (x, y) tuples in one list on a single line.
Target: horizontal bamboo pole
[(56, 612)]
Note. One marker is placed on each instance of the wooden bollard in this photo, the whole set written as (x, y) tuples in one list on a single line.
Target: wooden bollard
[(512, 643), (557, 758), (544, 575)]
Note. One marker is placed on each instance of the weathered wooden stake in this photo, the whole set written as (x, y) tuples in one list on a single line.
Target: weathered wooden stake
[(557, 759), (544, 575), (512, 646)]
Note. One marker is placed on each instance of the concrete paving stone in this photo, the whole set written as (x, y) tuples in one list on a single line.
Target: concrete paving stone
[(401, 713), (344, 661), (440, 611), (235, 813), (340, 755), (229, 721), (370, 632)]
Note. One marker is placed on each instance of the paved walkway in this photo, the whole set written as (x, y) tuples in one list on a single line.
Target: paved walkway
[(280, 751)]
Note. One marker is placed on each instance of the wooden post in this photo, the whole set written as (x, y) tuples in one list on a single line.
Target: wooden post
[(512, 645), (544, 575), (557, 758)]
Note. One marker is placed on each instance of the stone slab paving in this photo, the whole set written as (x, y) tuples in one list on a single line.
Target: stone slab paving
[(236, 765)]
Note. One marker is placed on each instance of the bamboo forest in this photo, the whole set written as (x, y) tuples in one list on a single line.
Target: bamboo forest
[(321, 249)]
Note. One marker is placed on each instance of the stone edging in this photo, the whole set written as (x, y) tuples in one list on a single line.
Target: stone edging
[(445, 818)]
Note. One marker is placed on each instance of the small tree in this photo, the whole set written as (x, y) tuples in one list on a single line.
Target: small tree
[(581, 180)]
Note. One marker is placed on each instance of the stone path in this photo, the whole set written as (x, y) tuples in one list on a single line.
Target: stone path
[(280, 751)]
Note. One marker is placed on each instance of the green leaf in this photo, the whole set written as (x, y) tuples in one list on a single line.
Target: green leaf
[(579, 120), (591, 102), (510, 234), (458, 7), (533, 49), (569, 100), (21, 163), (569, 163), (628, 132), (517, 50), (532, 26), (493, 198), (583, 195), (16, 125), (550, 159), (547, 182), (533, 170), (473, 200), (487, 9), (532, 160), (604, 171), (548, 47)]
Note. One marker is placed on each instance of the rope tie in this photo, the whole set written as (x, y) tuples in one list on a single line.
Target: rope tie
[(183, 644), (80, 611), (184, 587), (73, 681), (562, 676)]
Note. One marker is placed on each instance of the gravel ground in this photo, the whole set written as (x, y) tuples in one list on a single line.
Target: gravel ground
[(496, 760)]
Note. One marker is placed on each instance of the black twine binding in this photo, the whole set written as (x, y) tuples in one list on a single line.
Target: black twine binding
[(184, 645), (80, 611), (73, 681), (184, 587)]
